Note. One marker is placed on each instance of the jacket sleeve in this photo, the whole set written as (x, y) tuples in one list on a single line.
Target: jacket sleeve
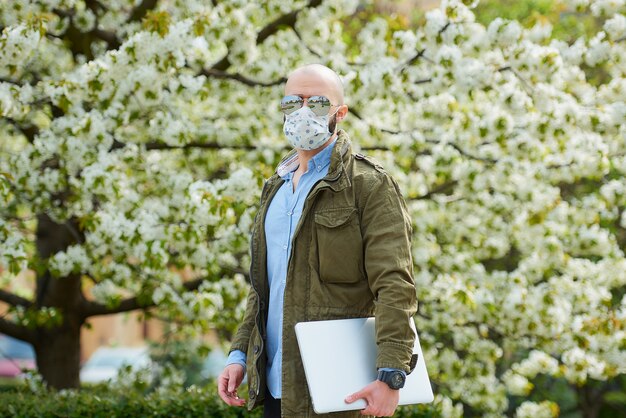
[(242, 336), (386, 229), (240, 342)]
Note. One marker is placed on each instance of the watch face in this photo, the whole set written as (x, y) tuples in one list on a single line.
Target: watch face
[(397, 380)]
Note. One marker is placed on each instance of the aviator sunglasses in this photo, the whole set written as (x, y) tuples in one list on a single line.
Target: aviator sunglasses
[(318, 104)]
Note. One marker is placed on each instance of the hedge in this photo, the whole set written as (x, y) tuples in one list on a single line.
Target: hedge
[(104, 402)]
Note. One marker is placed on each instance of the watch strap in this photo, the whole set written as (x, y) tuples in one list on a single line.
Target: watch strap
[(388, 376)]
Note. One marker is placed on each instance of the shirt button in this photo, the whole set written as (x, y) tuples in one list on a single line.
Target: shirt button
[(284, 247), (289, 213)]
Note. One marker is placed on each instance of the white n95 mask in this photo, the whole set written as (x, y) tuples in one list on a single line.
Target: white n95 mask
[(305, 130)]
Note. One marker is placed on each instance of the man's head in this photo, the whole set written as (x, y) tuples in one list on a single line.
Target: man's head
[(319, 80)]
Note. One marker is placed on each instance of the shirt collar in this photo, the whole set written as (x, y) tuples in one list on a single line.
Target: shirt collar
[(318, 162)]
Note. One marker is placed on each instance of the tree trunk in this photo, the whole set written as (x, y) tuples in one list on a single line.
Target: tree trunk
[(57, 347), (590, 400), (58, 355)]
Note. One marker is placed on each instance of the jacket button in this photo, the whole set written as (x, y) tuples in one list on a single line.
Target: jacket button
[(256, 349), (251, 393)]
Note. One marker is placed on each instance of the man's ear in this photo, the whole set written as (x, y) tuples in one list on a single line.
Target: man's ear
[(342, 112)]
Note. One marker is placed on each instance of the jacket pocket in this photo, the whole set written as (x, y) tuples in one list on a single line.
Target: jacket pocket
[(339, 245)]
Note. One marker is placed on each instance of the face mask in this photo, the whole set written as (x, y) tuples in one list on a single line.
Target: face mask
[(305, 130)]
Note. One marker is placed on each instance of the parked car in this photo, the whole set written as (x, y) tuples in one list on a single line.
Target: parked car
[(213, 364), (15, 356), (106, 362)]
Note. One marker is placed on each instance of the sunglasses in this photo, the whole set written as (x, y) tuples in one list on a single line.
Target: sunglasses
[(320, 105)]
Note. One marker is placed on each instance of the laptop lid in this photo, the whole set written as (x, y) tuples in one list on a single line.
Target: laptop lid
[(339, 358)]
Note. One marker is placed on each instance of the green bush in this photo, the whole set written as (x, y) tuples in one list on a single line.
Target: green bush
[(100, 401), (103, 402)]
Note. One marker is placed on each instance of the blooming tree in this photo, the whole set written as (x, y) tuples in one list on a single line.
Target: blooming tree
[(135, 139)]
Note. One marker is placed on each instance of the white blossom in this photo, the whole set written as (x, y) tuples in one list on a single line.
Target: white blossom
[(517, 384), (615, 27), (530, 409), (598, 51), (73, 259)]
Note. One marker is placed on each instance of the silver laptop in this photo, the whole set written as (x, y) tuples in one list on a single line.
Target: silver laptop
[(339, 358)]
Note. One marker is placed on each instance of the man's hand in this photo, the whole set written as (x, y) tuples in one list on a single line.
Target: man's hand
[(381, 399), (228, 382)]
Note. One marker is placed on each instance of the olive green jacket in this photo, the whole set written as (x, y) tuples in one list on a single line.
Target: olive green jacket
[(350, 258)]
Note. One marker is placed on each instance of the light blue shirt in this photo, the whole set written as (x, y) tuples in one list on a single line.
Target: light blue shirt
[(281, 221)]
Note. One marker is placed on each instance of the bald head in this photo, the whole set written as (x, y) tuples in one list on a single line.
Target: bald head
[(315, 79)]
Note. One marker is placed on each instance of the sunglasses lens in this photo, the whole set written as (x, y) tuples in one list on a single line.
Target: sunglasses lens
[(319, 105), (290, 104)]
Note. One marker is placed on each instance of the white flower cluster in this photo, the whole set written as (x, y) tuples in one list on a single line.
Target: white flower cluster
[(14, 100), (17, 47), (545, 409), (606, 7), (73, 259), (13, 255), (517, 377), (105, 292)]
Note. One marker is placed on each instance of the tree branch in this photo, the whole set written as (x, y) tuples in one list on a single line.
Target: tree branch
[(286, 20), (433, 141), (107, 36), (411, 61), (17, 331), (214, 146), (302, 42), (140, 10), (80, 42), (204, 145), (223, 64), (357, 114), (64, 13), (436, 190), (447, 25), (473, 157), (212, 72), (13, 299), (29, 131), (519, 77), (11, 81), (91, 308)]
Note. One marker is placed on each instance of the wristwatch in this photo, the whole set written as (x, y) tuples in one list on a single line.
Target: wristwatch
[(394, 379)]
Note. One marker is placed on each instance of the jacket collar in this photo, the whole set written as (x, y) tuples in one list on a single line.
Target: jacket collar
[(337, 178)]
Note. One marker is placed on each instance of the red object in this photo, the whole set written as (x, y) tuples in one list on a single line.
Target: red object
[(15, 356), (15, 367)]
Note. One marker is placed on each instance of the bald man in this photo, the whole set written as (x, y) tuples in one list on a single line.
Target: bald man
[(331, 240)]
